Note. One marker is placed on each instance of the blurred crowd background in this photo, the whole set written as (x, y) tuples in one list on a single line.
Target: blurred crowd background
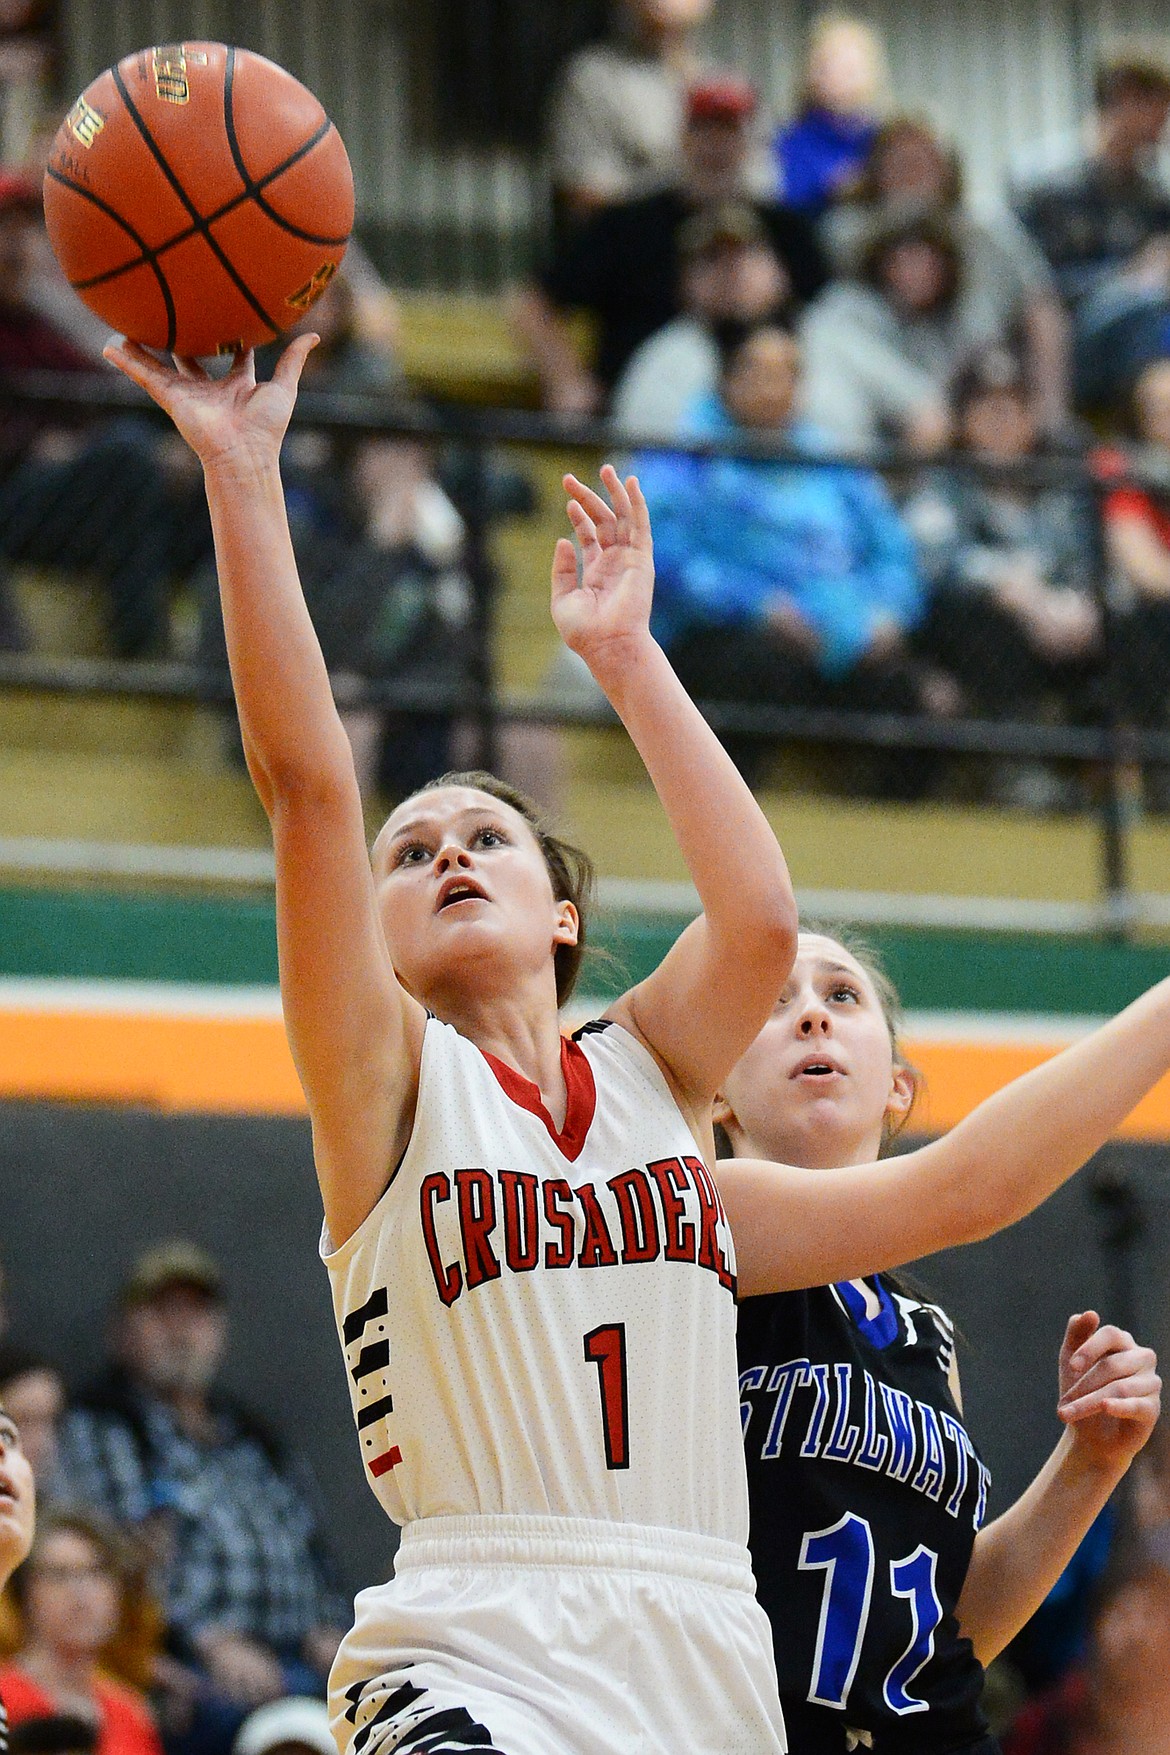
[(934, 425), (896, 379)]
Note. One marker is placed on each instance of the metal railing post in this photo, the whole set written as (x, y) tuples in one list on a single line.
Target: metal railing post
[(475, 506), (1117, 803)]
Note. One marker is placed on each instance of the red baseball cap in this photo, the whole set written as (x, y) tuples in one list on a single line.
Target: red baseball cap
[(19, 192), (725, 98)]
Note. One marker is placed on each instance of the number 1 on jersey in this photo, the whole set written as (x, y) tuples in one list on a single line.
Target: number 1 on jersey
[(606, 1347)]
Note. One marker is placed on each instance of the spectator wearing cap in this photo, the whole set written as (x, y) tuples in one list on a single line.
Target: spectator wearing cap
[(622, 269), (730, 273), (616, 115), (882, 350), (820, 153), (159, 1448), (1008, 287)]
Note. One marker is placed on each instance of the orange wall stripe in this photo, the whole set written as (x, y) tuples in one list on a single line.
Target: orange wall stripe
[(242, 1065), (959, 1075), (226, 1065)]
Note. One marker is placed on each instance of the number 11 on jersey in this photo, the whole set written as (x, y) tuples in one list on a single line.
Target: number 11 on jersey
[(606, 1347)]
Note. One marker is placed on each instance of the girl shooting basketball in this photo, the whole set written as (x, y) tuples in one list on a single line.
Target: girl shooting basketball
[(867, 1494), (531, 1268), (531, 1272)]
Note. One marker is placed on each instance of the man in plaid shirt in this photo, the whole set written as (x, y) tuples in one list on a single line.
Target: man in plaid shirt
[(231, 1518)]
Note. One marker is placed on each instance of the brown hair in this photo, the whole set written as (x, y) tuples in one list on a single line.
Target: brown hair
[(1122, 76), (889, 234), (570, 868), (867, 189), (138, 1636)]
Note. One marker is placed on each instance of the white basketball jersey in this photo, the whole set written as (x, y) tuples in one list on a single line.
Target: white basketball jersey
[(543, 1323)]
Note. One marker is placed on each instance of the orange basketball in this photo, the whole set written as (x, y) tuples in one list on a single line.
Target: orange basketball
[(198, 198)]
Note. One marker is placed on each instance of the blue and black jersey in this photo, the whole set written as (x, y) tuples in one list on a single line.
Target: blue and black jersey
[(866, 1494)]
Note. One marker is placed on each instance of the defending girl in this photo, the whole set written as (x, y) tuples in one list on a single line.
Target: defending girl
[(532, 1271), (17, 1516), (886, 1595)]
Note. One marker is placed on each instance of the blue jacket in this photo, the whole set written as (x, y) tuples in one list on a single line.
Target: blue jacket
[(817, 154), (732, 536)]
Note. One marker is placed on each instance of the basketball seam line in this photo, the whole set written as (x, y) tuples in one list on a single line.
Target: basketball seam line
[(148, 256), (192, 231), (251, 188), (201, 225)]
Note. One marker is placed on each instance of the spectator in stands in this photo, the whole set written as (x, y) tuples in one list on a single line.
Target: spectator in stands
[(881, 350), (1007, 286), (1102, 220), (296, 1726), (57, 1733), (28, 56), (730, 273), (33, 1394), (1012, 614), (781, 585), (623, 267), (1092, 214), (1137, 529), (821, 151), (1118, 1703), (90, 499), (71, 1593), (1150, 1503), (616, 114), (157, 1447)]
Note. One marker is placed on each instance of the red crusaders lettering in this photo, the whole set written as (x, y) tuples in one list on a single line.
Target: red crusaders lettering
[(639, 1217), (672, 1182), (535, 1215), (448, 1280), (521, 1225), (597, 1248), (558, 1255), (477, 1220), (710, 1213)]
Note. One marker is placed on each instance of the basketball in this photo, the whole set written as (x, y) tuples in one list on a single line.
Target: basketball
[(198, 198)]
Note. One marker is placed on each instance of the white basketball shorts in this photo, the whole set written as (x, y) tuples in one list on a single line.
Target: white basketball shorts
[(558, 1636)]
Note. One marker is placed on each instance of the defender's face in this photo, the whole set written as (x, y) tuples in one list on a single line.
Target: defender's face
[(464, 891), (815, 1085), (17, 1498)]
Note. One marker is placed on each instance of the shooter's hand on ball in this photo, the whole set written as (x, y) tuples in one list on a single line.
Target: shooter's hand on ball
[(220, 418)]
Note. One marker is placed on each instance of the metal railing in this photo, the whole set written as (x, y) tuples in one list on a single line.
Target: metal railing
[(1110, 746)]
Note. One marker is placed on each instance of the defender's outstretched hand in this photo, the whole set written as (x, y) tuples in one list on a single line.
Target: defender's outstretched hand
[(1110, 1391), (219, 417), (606, 613)]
